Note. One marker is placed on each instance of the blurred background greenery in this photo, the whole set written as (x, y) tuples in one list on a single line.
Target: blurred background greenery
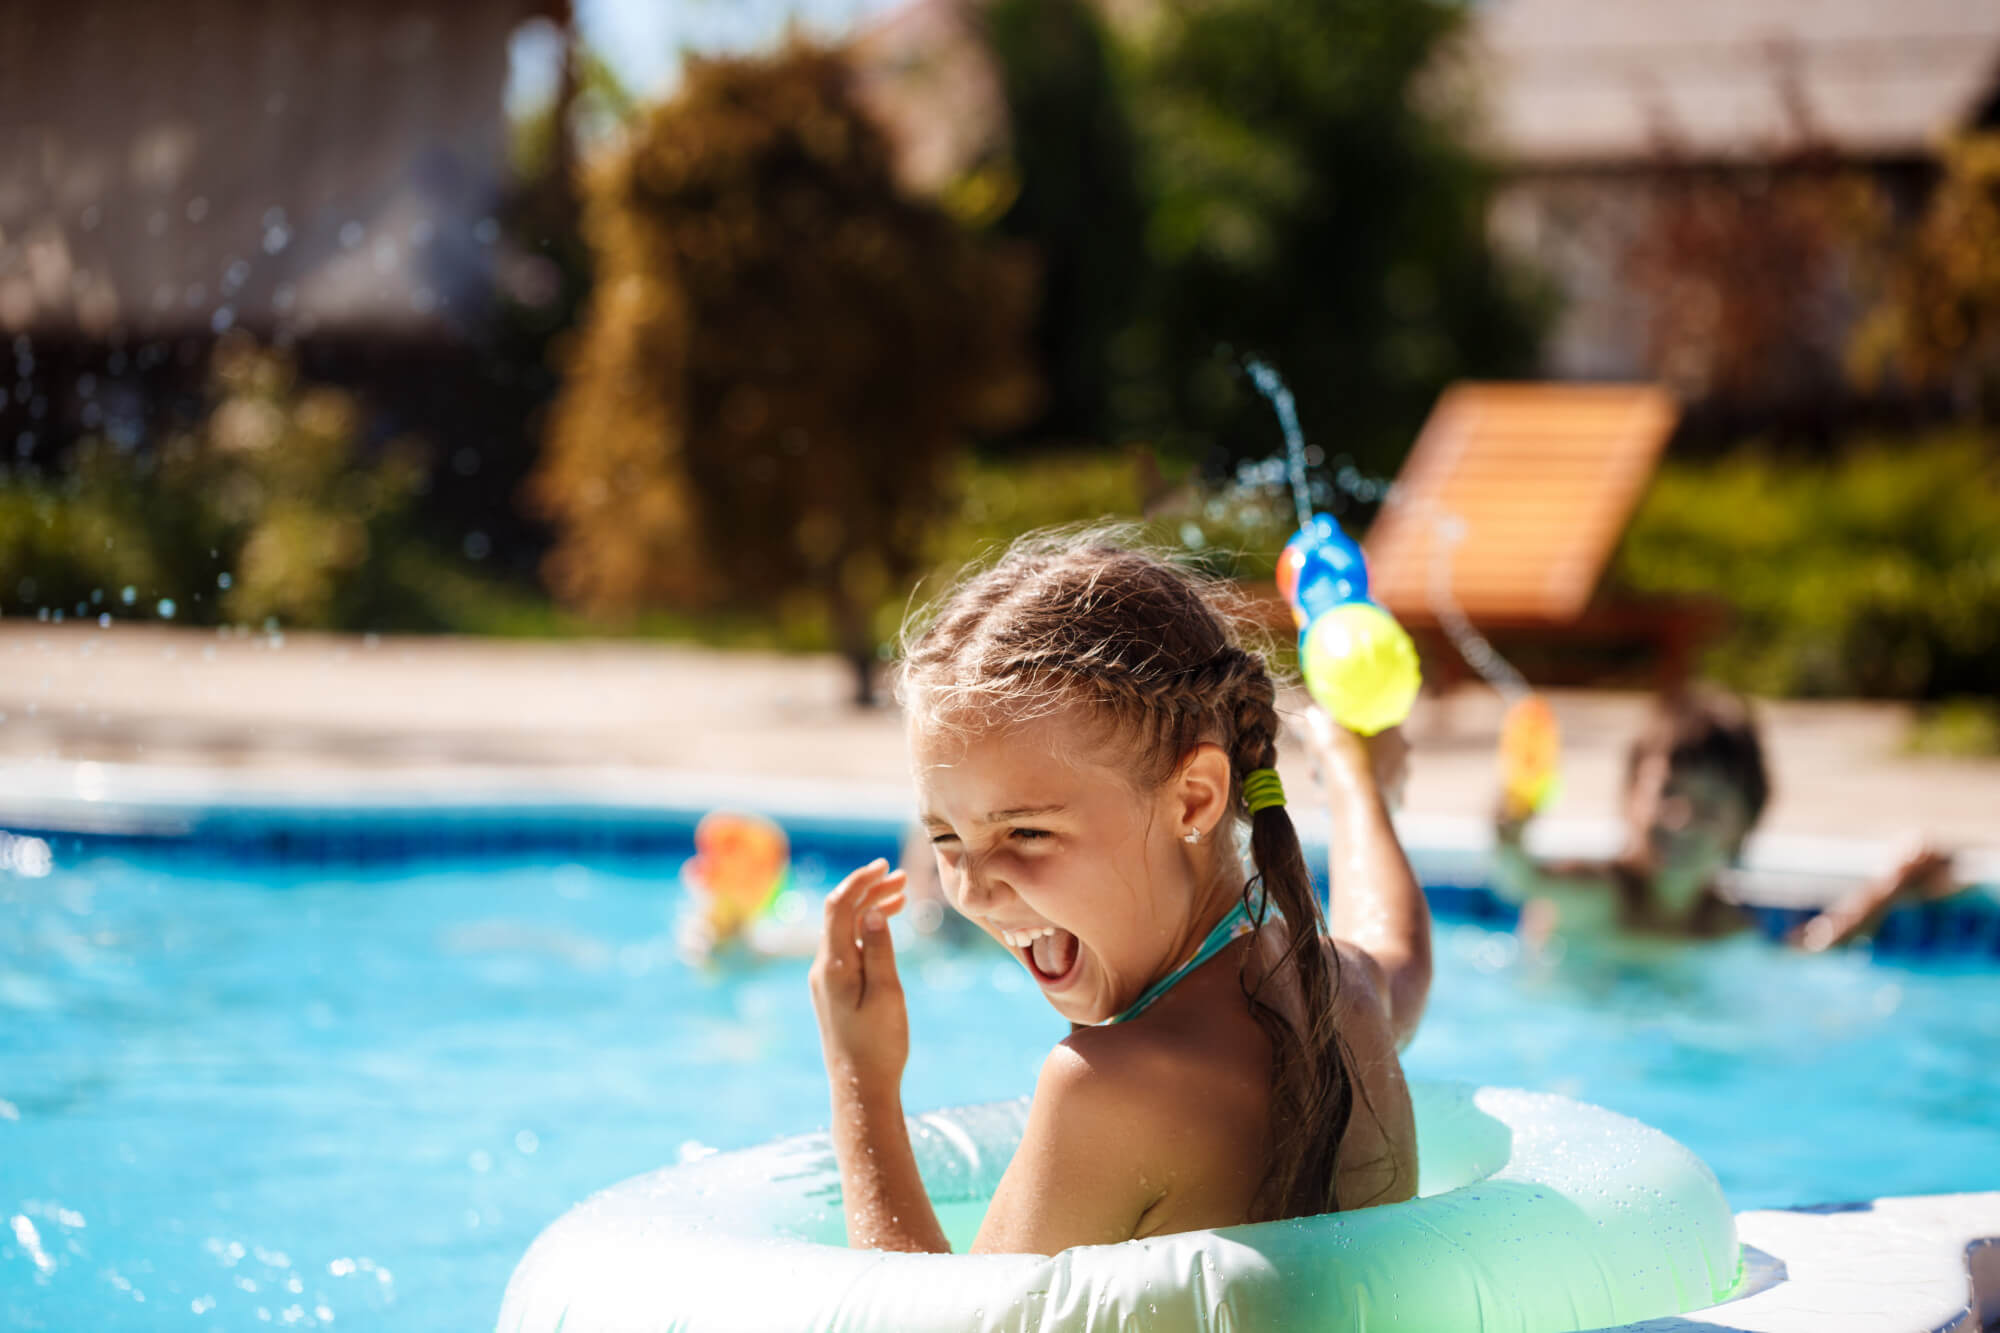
[(818, 320)]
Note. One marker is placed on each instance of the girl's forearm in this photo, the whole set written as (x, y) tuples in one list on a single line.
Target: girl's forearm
[(881, 1192), (1377, 903)]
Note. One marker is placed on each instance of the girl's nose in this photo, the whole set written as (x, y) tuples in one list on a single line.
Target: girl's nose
[(978, 891)]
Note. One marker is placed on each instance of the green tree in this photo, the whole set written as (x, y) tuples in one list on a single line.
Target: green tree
[(1312, 201), (780, 361), (1075, 164)]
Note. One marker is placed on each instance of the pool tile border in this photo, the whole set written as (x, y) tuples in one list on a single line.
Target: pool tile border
[(84, 809)]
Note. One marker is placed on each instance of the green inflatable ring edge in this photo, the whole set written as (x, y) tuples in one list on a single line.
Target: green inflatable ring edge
[(1540, 1214)]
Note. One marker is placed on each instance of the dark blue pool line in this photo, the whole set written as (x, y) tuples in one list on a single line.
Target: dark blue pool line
[(349, 838), (359, 837)]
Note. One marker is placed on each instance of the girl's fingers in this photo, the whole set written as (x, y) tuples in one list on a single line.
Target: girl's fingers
[(840, 907), (885, 896), (873, 892), (890, 885), (881, 909), (878, 953), (859, 880)]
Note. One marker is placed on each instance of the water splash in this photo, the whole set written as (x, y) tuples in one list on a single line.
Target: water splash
[(1272, 386), (1448, 530)]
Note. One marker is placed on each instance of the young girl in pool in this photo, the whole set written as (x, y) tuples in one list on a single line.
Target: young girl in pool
[(1091, 747)]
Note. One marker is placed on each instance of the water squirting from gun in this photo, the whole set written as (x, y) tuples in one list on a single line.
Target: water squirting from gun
[(1358, 662)]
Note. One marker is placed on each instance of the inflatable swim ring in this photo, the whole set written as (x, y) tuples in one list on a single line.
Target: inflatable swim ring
[(1535, 1213)]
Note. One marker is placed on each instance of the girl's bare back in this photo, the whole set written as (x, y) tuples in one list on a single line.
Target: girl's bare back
[(1194, 1079)]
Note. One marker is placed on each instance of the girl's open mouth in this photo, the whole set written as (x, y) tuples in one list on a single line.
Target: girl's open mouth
[(1053, 957)]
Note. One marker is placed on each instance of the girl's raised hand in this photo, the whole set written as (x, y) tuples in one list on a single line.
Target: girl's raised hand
[(864, 1027), (1340, 757)]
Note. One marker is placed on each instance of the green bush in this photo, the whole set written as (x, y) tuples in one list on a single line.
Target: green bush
[(1875, 575), (69, 549), (1957, 729), (266, 512)]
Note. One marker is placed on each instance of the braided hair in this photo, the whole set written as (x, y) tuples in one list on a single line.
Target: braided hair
[(1154, 650)]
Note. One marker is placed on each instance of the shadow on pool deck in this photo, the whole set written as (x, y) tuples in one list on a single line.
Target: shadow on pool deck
[(310, 708)]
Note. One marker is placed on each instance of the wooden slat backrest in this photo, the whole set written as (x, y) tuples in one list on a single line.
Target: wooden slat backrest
[(1543, 478)]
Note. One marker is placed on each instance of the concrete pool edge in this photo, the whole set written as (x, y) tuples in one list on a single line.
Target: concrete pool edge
[(1918, 1264)]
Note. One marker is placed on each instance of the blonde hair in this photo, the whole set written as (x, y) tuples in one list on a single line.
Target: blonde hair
[(1086, 618)]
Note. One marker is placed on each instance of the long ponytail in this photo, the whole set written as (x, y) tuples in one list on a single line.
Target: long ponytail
[(1312, 1085)]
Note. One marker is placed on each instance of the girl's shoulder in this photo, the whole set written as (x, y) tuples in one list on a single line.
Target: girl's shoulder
[(1121, 1143), (1161, 1071)]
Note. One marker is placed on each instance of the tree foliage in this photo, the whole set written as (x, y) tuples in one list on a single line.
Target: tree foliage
[(269, 509), (1937, 323), (780, 361), (1077, 200), (1875, 573), (1311, 199)]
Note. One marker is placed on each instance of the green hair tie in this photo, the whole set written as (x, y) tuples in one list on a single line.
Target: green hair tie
[(1262, 790)]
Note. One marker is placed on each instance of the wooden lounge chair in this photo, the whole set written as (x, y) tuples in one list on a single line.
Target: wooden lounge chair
[(1522, 492)]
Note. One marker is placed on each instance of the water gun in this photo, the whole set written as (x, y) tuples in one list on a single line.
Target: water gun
[(1359, 664), (1530, 757), (741, 863)]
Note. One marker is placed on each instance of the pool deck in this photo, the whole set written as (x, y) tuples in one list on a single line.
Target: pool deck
[(306, 713)]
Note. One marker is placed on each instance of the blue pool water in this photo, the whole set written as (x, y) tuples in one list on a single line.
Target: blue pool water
[(238, 1090)]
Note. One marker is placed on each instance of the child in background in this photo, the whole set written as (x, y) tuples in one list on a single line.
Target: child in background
[(1695, 786), (1093, 749)]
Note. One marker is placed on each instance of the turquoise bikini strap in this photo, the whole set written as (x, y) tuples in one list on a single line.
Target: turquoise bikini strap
[(1235, 924)]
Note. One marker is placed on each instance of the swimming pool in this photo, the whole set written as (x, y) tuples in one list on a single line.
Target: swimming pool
[(340, 1068)]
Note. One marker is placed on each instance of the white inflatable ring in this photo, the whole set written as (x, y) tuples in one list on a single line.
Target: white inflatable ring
[(1537, 1213)]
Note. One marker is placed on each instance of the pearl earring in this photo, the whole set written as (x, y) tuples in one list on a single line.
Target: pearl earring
[(1193, 835)]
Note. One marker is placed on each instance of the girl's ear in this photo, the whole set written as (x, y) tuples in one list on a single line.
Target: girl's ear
[(1201, 790)]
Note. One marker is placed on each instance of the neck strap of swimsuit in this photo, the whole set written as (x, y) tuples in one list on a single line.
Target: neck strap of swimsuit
[(1235, 924)]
